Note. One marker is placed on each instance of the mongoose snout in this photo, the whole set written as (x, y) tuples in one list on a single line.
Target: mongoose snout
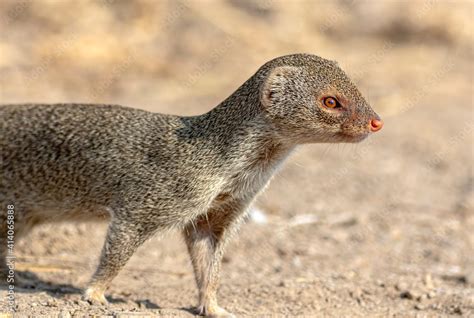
[(154, 172)]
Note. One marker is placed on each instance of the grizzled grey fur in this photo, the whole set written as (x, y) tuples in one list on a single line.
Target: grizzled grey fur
[(151, 172)]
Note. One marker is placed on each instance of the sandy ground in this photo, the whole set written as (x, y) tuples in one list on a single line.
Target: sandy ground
[(382, 228)]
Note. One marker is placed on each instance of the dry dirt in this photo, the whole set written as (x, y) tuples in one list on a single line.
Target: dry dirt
[(382, 228)]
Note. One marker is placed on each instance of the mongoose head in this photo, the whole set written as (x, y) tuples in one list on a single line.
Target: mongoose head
[(311, 99)]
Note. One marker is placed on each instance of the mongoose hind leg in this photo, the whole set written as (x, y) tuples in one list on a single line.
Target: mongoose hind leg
[(122, 240), (206, 238)]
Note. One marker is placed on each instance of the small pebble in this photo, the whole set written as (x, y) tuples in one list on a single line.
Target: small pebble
[(431, 294), (357, 293), (401, 286), (429, 281), (64, 314), (422, 297), (409, 294)]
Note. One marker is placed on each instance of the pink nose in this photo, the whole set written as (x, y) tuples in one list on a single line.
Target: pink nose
[(376, 125)]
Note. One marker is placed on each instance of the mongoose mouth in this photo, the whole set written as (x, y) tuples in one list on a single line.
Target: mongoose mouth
[(352, 138), (357, 134)]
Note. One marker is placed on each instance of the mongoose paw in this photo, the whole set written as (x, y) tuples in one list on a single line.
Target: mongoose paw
[(214, 312), (95, 297)]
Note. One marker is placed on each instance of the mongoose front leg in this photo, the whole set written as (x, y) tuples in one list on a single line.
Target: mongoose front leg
[(121, 242), (206, 239)]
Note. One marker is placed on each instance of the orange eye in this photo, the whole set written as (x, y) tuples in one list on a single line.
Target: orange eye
[(330, 102)]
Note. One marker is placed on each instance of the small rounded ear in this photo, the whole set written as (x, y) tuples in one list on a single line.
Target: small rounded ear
[(274, 86)]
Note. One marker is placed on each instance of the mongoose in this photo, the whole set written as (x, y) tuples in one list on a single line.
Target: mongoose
[(152, 172)]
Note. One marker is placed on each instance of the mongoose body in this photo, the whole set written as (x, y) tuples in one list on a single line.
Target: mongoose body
[(149, 172)]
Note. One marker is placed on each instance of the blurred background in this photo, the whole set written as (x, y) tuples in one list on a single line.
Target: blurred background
[(382, 227)]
